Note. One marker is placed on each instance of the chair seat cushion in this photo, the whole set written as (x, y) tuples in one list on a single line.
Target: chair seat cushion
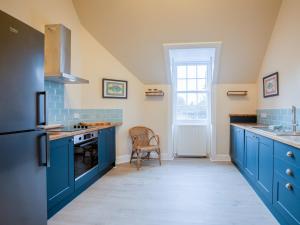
[(147, 148)]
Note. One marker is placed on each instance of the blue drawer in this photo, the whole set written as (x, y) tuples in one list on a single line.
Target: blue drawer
[(287, 199), (288, 171), (287, 153)]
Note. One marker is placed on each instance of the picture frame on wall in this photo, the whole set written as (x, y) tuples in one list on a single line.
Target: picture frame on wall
[(112, 88), (271, 85)]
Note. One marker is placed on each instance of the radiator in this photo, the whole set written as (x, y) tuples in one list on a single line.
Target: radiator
[(191, 140)]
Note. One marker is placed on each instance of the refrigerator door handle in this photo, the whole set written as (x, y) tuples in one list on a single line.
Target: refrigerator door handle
[(45, 150), (41, 117)]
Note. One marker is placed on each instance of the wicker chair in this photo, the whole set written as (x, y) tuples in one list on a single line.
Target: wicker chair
[(144, 140)]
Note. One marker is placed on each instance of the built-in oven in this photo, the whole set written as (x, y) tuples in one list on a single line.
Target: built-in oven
[(85, 157)]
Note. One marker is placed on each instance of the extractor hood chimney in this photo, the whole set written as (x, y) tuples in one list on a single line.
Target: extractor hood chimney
[(58, 55)]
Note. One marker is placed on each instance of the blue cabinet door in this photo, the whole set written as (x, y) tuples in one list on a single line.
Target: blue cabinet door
[(265, 167), (107, 147), (251, 155), (111, 145), (232, 143), (287, 200), (60, 174), (240, 147), (237, 143), (102, 149)]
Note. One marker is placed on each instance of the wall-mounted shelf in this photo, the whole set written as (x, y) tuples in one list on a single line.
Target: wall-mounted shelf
[(237, 93), (154, 92)]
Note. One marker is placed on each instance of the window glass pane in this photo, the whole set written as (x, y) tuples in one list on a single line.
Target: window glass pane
[(181, 99), (181, 85), (192, 84), (192, 99), (202, 115), (202, 99), (201, 84), (192, 71), (201, 71), (181, 71)]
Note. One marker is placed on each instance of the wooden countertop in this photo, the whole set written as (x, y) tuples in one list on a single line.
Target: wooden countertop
[(58, 135), (289, 140)]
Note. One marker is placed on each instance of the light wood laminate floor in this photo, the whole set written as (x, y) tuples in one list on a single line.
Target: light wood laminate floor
[(180, 192)]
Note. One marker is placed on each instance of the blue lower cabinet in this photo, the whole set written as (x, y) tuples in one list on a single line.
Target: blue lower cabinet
[(60, 174), (62, 187), (287, 200), (273, 170), (251, 156)]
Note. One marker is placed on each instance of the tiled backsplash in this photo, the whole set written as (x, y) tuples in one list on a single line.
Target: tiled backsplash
[(56, 113), (277, 117)]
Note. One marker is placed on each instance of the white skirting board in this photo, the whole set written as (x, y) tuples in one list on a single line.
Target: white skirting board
[(220, 158), (126, 158), (217, 158)]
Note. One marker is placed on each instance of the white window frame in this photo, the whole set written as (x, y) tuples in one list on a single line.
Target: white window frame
[(207, 91)]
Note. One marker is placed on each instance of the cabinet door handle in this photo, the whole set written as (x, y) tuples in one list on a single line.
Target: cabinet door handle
[(290, 154), (45, 150), (41, 110), (289, 172), (289, 186)]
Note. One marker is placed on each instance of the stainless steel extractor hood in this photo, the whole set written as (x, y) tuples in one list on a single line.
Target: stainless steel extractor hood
[(58, 55)]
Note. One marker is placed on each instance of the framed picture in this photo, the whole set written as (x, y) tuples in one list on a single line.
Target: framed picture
[(271, 85), (114, 88)]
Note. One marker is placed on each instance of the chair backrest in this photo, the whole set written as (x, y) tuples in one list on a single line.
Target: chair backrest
[(140, 136)]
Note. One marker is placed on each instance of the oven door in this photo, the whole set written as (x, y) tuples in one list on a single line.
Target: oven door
[(86, 162)]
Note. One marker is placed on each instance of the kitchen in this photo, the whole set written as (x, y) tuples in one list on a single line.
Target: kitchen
[(93, 147)]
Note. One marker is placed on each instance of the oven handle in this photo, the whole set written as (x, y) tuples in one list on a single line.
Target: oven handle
[(86, 143)]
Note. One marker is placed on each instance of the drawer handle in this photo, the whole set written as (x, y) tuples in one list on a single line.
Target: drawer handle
[(289, 172), (290, 154), (289, 186)]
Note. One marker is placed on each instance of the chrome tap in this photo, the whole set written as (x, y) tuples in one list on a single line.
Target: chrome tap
[(294, 119)]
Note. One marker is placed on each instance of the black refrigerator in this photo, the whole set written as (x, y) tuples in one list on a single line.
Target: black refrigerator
[(23, 147)]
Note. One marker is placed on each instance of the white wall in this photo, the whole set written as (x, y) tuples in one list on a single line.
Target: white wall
[(89, 60), (226, 105), (158, 116), (283, 55)]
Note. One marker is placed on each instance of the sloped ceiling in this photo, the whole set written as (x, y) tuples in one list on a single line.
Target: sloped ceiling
[(134, 31)]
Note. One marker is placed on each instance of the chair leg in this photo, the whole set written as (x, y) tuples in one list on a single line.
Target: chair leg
[(138, 162), (132, 153), (148, 155), (159, 157)]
